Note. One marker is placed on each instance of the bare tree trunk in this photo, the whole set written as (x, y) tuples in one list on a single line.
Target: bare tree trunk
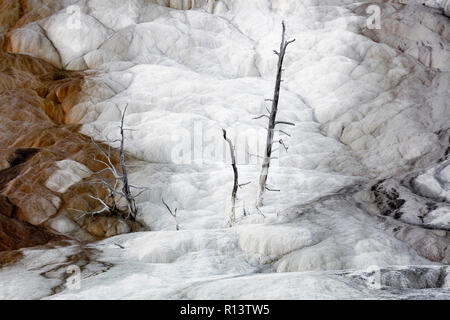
[(172, 213), (236, 177), (131, 202), (272, 119)]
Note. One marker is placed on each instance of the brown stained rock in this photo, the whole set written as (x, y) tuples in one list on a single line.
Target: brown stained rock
[(7, 209), (39, 84), (9, 14), (25, 34), (34, 99), (36, 144), (15, 234), (17, 13), (103, 227), (21, 155), (34, 10), (9, 257)]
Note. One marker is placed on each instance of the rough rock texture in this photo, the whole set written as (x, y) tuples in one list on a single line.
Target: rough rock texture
[(15, 234), (423, 33), (9, 257), (364, 184), (420, 198), (187, 4), (37, 145)]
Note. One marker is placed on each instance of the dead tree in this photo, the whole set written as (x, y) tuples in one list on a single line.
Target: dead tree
[(126, 191), (172, 213), (236, 177), (236, 184), (109, 205), (272, 117)]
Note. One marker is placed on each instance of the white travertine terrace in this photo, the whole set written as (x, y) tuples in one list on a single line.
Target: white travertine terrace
[(367, 104)]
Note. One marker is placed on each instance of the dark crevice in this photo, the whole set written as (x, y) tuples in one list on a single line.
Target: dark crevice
[(17, 162)]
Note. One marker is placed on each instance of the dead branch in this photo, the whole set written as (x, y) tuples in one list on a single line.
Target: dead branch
[(172, 213), (281, 142), (283, 132), (272, 118), (110, 206), (236, 177), (131, 202), (261, 116), (244, 184), (285, 122), (120, 246)]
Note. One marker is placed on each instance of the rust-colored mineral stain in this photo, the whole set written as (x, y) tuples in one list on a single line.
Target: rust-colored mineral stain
[(9, 257), (34, 99), (10, 12), (16, 234), (35, 82)]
